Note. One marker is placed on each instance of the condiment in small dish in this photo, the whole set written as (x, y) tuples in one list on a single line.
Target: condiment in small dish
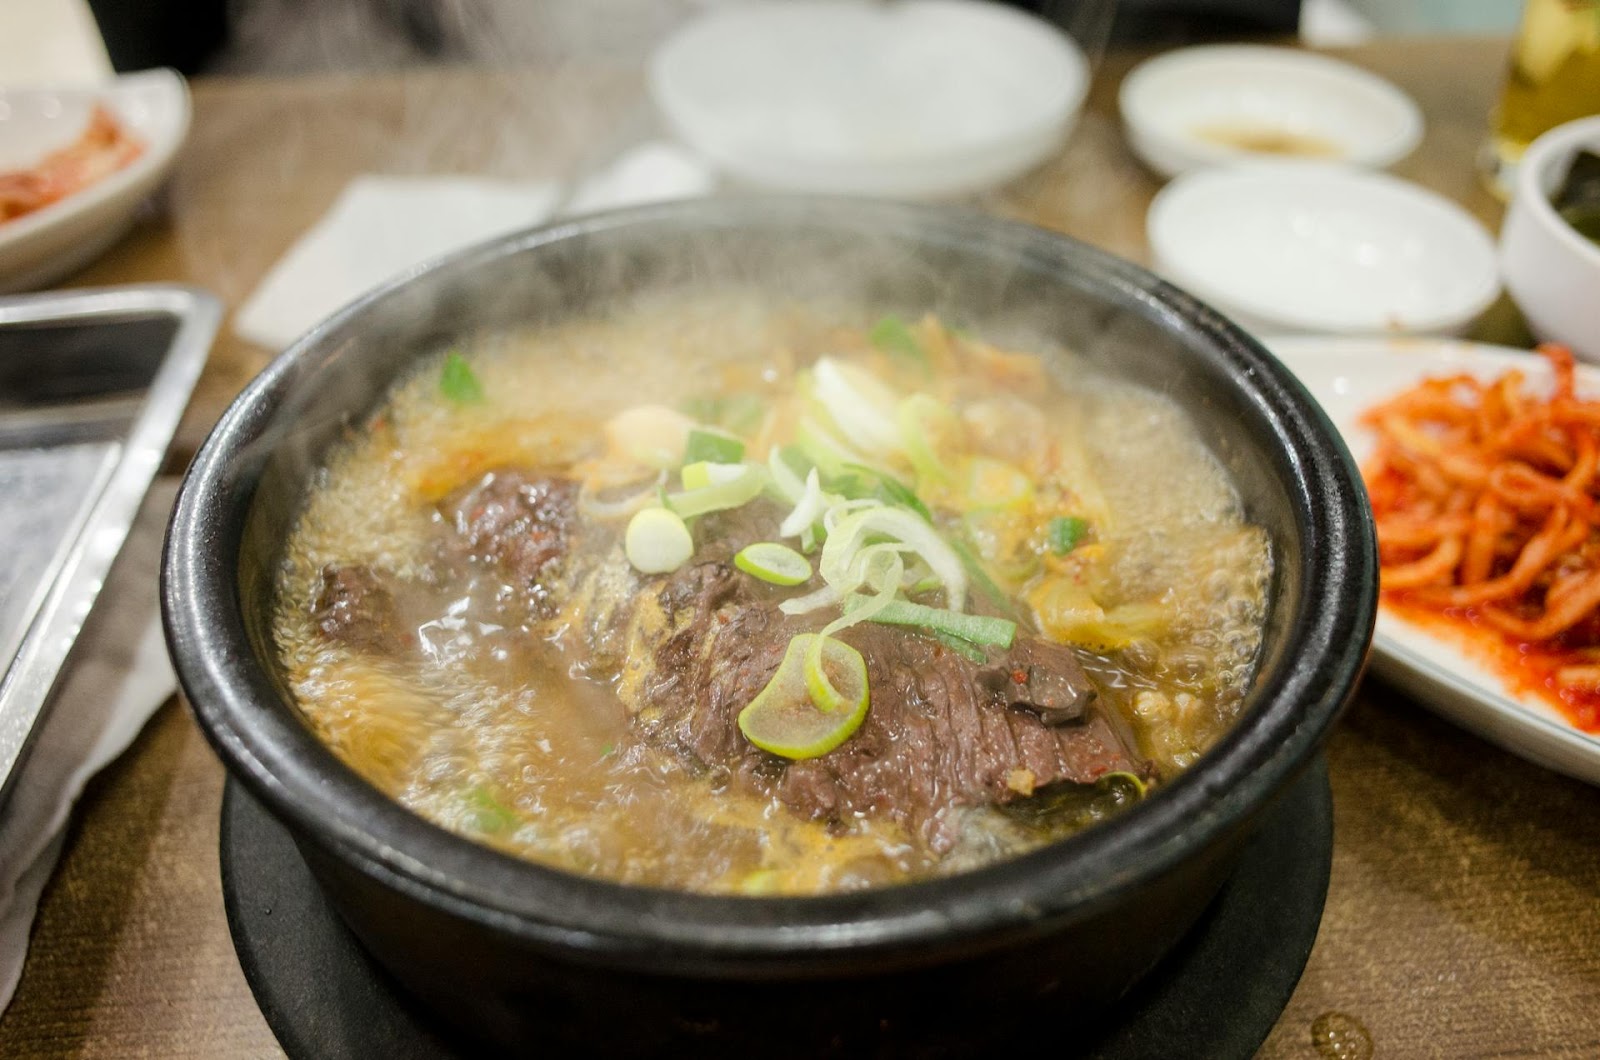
[(1303, 246), (1207, 106)]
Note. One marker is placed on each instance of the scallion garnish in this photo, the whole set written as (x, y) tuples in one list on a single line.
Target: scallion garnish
[(785, 720), (657, 541), (773, 563), (740, 413), (891, 335), (722, 493), (489, 814), (980, 577), (963, 648), (457, 381), (1065, 533), (893, 490), (974, 629), (712, 447)]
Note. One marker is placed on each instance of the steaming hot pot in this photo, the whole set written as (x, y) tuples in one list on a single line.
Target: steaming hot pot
[(518, 955)]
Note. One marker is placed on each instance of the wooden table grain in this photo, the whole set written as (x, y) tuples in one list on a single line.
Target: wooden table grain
[(1463, 918)]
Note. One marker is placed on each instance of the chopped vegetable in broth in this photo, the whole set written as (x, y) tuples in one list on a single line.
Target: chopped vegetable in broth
[(737, 600)]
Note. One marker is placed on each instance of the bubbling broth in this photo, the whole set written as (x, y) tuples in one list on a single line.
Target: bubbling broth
[(993, 597)]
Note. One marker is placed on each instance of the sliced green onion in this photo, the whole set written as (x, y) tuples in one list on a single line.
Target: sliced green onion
[(848, 537), (489, 814), (740, 413), (595, 508), (980, 577), (1139, 787), (784, 720), (787, 481), (458, 383), (657, 541), (822, 447), (974, 629), (704, 473), (914, 417), (720, 496), (827, 596), (963, 648), (858, 404), (894, 491), (892, 336), (1065, 533), (774, 563), (808, 509), (712, 447)]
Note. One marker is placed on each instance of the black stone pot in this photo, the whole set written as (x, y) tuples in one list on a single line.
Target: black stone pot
[(524, 956)]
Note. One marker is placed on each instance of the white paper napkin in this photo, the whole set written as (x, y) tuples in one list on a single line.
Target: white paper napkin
[(116, 678), (380, 226)]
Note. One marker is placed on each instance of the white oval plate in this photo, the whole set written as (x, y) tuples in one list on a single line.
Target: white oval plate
[(39, 248), (915, 98), (1314, 247), (1347, 376)]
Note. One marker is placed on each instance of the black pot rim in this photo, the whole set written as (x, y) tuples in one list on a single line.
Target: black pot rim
[(653, 929)]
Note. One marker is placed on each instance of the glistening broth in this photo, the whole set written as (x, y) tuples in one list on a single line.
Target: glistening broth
[(467, 621)]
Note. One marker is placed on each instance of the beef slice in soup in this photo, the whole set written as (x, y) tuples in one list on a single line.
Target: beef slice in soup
[(943, 732)]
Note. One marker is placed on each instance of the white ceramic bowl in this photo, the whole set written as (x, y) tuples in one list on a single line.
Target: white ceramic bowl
[(914, 99), (1322, 248), (41, 247), (1199, 107), (1552, 272)]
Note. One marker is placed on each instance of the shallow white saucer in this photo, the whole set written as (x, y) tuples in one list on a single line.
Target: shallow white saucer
[(1347, 376), (41, 247), (1199, 107), (913, 98), (1295, 247)]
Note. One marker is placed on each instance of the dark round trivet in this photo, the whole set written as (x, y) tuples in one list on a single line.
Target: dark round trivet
[(1217, 995)]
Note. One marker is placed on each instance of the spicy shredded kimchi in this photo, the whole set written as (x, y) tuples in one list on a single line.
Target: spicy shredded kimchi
[(103, 148), (1485, 495)]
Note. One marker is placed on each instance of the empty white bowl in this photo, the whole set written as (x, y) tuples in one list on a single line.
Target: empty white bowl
[(915, 98), (1552, 272), (1199, 107), (1309, 247), (39, 248)]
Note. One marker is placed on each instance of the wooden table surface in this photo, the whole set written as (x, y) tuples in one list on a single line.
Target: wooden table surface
[(1463, 918)]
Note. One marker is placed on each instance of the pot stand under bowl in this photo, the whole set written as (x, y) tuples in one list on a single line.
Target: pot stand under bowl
[(1216, 995)]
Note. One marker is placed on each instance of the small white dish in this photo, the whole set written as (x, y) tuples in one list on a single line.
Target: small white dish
[(1214, 105), (1297, 247), (912, 99), (41, 247), (1347, 376), (1551, 271)]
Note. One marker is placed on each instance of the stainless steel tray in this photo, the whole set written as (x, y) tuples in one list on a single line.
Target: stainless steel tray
[(92, 385)]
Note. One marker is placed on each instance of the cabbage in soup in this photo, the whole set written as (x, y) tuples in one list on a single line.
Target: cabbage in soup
[(742, 601)]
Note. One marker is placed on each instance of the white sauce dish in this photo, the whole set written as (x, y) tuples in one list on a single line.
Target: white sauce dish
[(1319, 248), (1199, 107)]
